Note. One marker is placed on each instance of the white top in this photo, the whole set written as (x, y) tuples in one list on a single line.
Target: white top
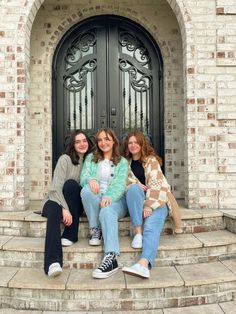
[(105, 174)]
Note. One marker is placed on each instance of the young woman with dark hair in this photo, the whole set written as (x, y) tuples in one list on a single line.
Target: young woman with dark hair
[(147, 197), (103, 178), (63, 202)]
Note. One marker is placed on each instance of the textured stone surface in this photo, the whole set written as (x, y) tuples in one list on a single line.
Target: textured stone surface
[(36, 279), (220, 237), (203, 309), (202, 274), (160, 277), (83, 280), (6, 273), (228, 307), (231, 264)]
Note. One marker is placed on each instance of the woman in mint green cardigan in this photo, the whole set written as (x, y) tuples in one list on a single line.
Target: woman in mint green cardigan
[(103, 178)]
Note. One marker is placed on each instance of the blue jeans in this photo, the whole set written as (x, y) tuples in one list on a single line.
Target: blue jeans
[(106, 217), (152, 225)]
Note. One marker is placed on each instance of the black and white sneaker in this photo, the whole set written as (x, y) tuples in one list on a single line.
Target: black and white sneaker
[(108, 267), (95, 237)]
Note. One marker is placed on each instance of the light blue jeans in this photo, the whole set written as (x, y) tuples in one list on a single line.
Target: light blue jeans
[(152, 225), (106, 217)]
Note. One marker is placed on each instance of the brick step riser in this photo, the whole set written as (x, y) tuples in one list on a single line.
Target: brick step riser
[(38, 228), (92, 259), (112, 300)]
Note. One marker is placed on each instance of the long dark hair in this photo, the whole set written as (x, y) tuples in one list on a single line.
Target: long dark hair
[(144, 143), (69, 146), (98, 154)]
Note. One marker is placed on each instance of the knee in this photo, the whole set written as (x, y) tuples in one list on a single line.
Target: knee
[(86, 192), (106, 213), (54, 212), (134, 189), (70, 185)]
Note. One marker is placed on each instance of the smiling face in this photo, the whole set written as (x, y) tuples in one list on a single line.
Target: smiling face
[(105, 143), (81, 144), (134, 148)]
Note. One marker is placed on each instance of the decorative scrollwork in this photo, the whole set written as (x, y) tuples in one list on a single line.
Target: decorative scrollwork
[(76, 82), (81, 45), (132, 43), (140, 82)]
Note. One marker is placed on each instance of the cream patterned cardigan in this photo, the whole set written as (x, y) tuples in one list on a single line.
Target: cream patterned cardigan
[(159, 192)]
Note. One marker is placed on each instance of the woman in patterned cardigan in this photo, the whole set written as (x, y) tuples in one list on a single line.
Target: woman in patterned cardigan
[(148, 195)]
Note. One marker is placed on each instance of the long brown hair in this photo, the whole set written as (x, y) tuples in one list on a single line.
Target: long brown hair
[(143, 142), (98, 154), (69, 146)]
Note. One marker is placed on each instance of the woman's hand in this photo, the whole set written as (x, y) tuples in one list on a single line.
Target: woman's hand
[(146, 213), (67, 217), (106, 201), (94, 186), (142, 186)]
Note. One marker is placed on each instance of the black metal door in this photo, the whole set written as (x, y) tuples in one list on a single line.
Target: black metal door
[(107, 71)]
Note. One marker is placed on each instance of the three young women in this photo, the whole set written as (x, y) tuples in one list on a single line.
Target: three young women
[(63, 202)]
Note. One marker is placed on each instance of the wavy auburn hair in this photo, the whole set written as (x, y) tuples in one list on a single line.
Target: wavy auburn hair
[(98, 154), (143, 142)]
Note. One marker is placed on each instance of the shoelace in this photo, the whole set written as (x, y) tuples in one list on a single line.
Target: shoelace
[(107, 261), (96, 233)]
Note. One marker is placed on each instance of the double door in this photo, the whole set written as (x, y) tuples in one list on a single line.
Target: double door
[(107, 72)]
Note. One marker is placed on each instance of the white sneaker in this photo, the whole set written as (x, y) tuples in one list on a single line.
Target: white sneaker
[(95, 237), (137, 242), (66, 242), (54, 270), (137, 270)]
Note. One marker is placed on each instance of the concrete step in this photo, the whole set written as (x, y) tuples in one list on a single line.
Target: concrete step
[(76, 290), (230, 219), (28, 223), (215, 308), (173, 250)]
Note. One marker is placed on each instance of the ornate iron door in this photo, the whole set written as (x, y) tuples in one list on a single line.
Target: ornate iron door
[(107, 72)]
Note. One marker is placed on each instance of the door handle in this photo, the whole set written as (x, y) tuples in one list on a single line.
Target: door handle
[(113, 111)]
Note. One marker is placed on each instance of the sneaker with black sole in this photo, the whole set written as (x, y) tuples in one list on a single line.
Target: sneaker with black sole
[(108, 267), (95, 237)]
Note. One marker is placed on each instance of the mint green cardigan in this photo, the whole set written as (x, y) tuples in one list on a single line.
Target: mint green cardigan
[(118, 179)]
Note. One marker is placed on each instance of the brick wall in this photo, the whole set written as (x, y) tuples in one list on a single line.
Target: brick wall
[(197, 41), (50, 24)]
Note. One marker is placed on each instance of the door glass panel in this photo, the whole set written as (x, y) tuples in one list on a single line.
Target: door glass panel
[(136, 82), (78, 81)]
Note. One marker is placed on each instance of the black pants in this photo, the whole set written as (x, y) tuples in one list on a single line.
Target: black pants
[(53, 212)]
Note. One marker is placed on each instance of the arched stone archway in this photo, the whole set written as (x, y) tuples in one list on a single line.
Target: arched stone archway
[(41, 120)]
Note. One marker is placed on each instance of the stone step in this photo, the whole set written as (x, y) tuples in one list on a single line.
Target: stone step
[(230, 219), (28, 223), (173, 250), (76, 290), (220, 308), (215, 308)]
